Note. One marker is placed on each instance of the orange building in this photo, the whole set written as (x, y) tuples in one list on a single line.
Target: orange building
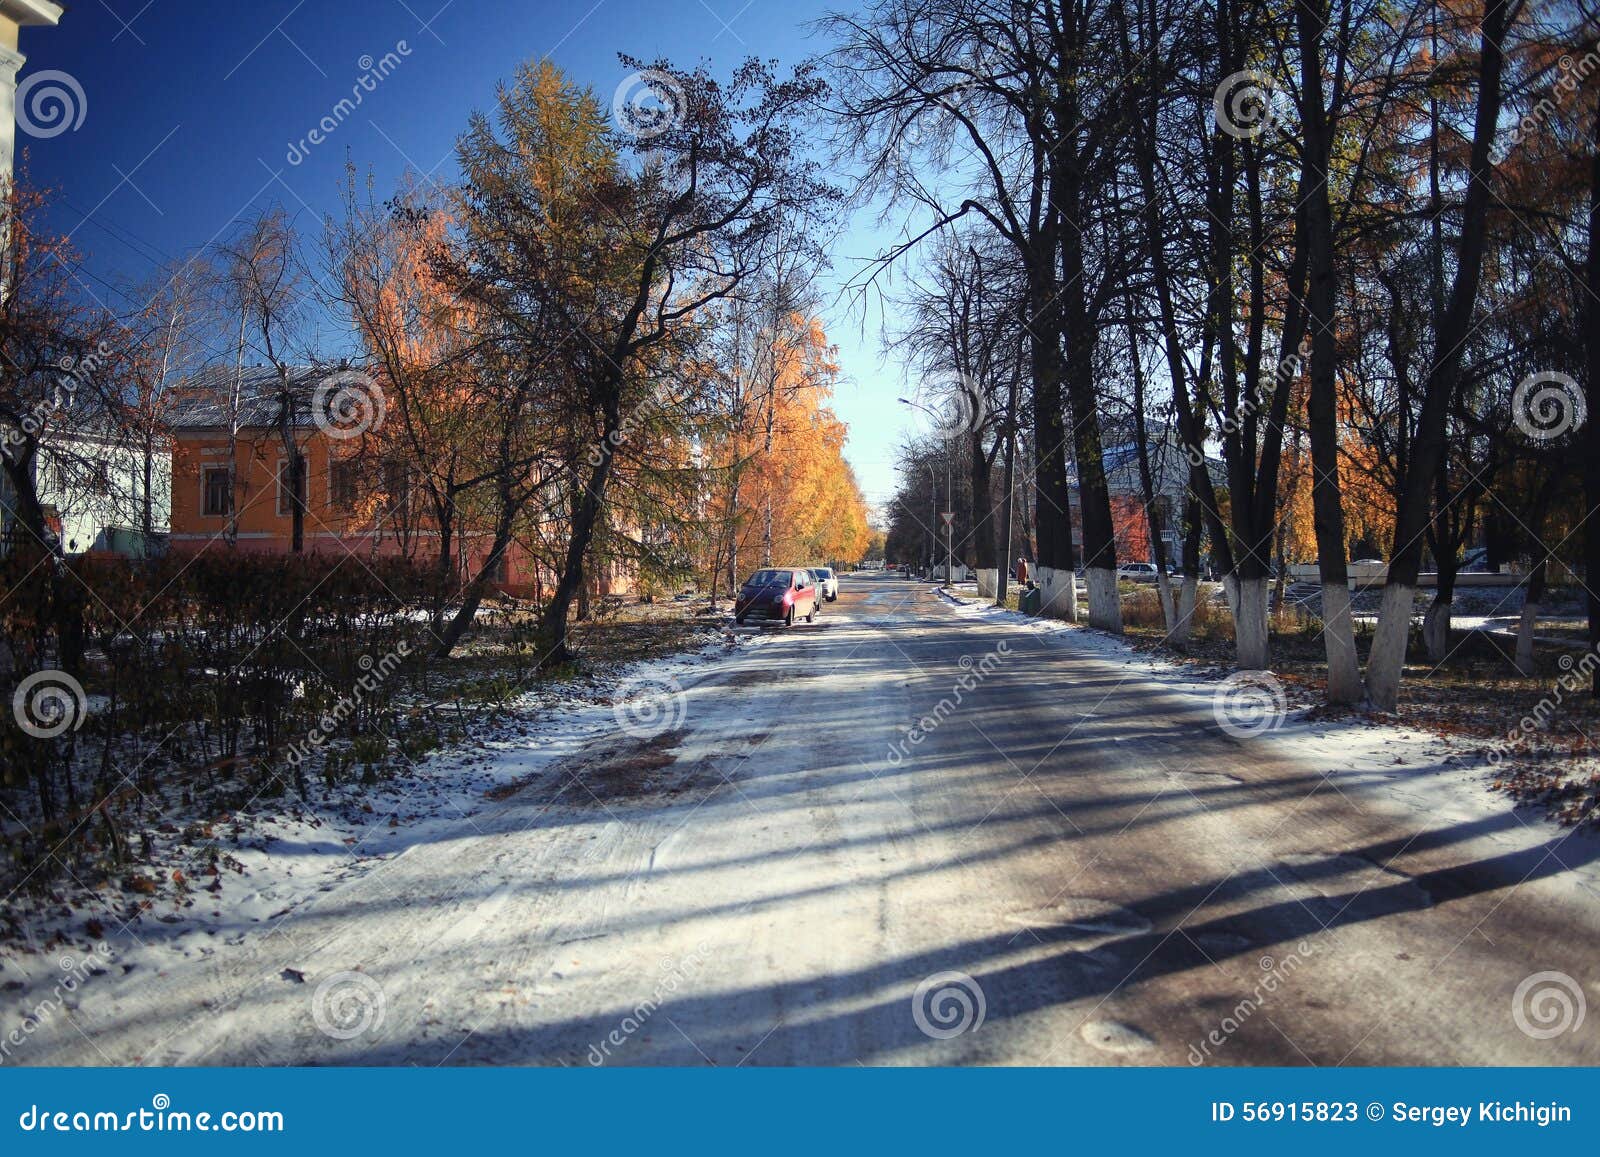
[(356, 501)]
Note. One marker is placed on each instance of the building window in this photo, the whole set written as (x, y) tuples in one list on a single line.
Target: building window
[(496, 570), (342, 483), (216, 491), (284, 506), (396, 485)]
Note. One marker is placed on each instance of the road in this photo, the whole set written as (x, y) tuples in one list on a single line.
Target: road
[(1079, 853)]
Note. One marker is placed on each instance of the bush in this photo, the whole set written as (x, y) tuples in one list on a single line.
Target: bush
[(217, 670), (1142, 609)]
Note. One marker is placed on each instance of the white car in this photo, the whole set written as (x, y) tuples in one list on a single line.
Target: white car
[(1139, 572), (827, 582)]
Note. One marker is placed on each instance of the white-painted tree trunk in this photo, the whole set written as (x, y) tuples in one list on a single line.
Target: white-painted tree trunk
[(1339, 641), (1058, 594), (1387, 661), (1105, 604), (1247, 599), (1436, 630), (988, 582), (1169, 611), (1183, 627), (1524, 656)]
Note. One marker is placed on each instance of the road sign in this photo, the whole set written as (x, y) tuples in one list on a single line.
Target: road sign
[(948, 516)]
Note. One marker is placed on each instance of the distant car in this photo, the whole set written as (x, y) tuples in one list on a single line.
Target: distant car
[(778, 594), (1366, 562), (1139, 572), (827, 582)]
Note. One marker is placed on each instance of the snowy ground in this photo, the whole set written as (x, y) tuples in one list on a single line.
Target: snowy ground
[(807, 842), (1455, 784), (281, 855)]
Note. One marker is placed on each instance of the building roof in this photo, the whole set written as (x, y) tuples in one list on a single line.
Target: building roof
[(205, 400)]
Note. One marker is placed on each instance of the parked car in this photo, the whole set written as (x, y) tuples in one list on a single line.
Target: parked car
[(827, 582), (779, 594), (1139, 572)]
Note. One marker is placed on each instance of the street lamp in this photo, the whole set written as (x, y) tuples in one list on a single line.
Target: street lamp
[(933, 518), (950, 495)]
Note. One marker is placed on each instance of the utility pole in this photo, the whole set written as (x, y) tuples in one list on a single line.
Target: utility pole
[(950, 522), (949, 493), (1011, 498)]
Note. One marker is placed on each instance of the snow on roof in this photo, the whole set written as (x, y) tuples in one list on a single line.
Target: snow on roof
[(205, 400)]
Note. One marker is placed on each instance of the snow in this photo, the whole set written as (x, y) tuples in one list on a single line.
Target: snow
[(289, 854), (526, 930), (1427, 780)]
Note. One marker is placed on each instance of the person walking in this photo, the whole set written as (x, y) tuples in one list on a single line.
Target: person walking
[(1020, 572)]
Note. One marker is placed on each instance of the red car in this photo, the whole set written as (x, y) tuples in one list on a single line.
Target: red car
[(781, 594)]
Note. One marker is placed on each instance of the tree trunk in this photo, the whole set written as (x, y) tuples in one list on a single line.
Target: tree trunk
[(553, 622), (147, 514), (1155, 523), (1338, 631), (1188, 593), (980, 506), (1591, 428), (29, 509), (1533, 598), (1007, 500), (472, 593), (1094, 496), (1052, 504), (1436, 623), (1387, 660)]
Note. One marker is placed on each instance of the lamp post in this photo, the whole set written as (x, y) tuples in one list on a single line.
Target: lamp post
[(950, 495)]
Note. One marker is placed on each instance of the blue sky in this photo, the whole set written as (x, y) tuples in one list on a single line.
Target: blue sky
[(191, 110)]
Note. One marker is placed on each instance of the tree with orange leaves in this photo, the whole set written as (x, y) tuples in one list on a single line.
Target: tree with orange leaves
[(785, 494)]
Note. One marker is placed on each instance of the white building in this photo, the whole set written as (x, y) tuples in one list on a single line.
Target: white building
[(14, 16)]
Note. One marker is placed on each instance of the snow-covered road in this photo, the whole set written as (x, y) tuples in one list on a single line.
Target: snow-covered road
[(908, 834)]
